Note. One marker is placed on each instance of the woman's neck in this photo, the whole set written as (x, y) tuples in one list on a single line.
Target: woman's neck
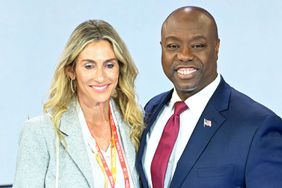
[(97, 119)]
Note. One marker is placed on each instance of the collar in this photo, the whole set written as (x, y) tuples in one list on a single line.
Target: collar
[(198, 101)]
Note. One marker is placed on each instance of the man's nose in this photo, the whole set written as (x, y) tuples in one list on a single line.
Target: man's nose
[(185, 54)]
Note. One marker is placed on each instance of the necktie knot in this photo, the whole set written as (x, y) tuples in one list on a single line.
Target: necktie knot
[(179, 107)]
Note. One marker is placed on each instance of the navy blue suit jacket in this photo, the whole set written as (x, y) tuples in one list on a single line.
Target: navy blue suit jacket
[(242, 148)]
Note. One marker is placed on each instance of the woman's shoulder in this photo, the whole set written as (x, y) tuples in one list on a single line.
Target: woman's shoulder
[(40, 120), (38, 124)]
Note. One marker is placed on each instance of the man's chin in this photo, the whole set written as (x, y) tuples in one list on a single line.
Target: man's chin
[(186, 89), (185, 92)]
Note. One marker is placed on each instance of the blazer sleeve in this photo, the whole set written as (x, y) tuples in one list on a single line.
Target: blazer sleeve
[(33, 157), (264, 165)]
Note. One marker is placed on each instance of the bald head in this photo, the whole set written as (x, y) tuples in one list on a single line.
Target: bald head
[(191, 13)]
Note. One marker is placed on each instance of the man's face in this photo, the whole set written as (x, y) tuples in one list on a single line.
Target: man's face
[(189, 51)]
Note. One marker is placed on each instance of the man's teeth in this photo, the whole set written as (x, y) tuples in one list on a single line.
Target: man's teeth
[(185, 71)]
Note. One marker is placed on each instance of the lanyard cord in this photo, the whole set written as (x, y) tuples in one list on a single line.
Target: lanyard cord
[(120, 154), (110, 174), (57, 160), (115, 149)]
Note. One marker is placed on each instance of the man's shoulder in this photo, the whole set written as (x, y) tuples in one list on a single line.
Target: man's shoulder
[(160, 98), (248, 106)]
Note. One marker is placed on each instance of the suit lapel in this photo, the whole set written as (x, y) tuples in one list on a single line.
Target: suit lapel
[(151, 113), (74, 143), (202, 134), (199, 140)]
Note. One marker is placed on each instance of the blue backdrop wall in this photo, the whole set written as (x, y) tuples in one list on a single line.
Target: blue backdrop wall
[(33, 34)]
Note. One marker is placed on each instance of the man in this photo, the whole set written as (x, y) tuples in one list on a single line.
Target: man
[(225, 139)]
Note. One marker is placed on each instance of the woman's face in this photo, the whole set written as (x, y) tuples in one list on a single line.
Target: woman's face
[(96, 73)]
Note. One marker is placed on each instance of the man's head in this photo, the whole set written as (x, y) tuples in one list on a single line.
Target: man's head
[(190, 47)]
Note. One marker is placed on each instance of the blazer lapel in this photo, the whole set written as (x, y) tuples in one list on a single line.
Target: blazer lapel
[(128, 148), (202, 134), (150, 117), (73, 142)]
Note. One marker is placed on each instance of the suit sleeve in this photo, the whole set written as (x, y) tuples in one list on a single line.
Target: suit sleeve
[(33, 157), (264, 165)]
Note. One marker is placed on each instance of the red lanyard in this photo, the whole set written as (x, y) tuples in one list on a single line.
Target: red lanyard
[(120, 154), (110, 174), (115, 144)]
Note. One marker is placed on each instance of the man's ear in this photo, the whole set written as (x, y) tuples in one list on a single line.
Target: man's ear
[(217, 47), (70, 72)]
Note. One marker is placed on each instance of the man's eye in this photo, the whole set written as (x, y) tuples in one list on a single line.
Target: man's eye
[(172, 46), (196, 46)]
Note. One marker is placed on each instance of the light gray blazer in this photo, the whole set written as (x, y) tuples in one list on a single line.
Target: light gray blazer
[(36, 162)]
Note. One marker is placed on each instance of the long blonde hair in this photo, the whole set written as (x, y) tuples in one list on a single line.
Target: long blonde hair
[(61, 93)]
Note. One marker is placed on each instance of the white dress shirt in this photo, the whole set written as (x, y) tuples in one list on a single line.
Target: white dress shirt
[(188, 121), (90, 143)]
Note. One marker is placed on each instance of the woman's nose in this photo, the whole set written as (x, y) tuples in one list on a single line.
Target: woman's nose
[(99, 75)]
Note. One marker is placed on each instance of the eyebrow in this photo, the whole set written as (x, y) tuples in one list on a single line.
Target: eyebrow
[(199, 37), (171, 38), (196, 37), (106, 61)]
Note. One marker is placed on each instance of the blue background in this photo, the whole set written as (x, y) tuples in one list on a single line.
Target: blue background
[(33, 34)]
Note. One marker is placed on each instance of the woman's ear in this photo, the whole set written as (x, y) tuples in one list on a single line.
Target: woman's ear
[(70, 72)]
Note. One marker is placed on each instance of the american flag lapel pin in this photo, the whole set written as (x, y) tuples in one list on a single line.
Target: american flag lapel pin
[(207, 123)]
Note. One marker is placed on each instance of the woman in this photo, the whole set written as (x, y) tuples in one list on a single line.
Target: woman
[(90, 131)]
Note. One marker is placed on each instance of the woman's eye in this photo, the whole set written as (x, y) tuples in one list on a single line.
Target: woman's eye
[(110, 65), (196, 46), (88, 65), (172, 46)]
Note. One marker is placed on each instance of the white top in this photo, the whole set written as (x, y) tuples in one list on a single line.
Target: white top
[(90, 143), (188, 120)]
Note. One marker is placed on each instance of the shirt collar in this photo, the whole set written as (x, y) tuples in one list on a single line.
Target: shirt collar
[(198, 101), (89, 141)]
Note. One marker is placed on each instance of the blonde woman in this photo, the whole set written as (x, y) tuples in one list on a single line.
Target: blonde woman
[(90, 131)]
